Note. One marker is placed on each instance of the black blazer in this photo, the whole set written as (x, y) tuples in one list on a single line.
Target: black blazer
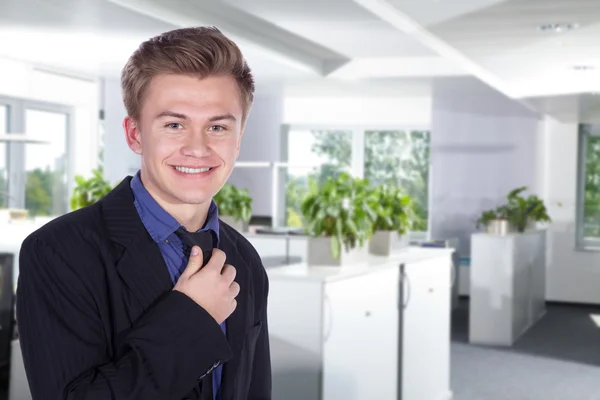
[(98, 318)]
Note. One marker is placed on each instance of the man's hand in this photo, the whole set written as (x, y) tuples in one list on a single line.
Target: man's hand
[(212, 287)]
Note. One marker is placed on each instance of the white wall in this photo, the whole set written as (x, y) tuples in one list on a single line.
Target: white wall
[(482, 146), (24, 81), (573, 275), (397, 111), (359, 103)]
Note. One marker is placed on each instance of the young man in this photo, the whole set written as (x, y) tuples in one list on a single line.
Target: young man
[(114, 301)]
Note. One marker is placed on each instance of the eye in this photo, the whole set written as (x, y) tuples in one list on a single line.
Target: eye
[(216, 128), (174, 125)]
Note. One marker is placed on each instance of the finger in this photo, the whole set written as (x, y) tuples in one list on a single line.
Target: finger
[(194, 263), (217, 260), (233, 305), (228, 273), (234, 289)]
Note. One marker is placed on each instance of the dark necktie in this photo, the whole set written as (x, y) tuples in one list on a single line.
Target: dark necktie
[(205, 240)]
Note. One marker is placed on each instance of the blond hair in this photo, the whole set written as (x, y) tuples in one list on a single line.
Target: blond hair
[(201, 52)]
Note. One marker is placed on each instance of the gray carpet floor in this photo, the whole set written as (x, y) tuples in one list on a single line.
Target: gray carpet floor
[(558, 359)]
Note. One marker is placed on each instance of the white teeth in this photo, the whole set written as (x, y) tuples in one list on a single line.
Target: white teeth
[(191, 170)]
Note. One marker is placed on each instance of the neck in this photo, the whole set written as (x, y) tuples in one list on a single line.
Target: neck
[(192, 216)]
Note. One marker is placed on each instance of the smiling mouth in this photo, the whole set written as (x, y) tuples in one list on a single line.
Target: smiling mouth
[(187, 170)]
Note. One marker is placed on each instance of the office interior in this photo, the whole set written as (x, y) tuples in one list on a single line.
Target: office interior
[(456, 102)]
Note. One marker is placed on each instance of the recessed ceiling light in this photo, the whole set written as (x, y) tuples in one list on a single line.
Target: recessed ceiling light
[(558, 27), (583, 67)]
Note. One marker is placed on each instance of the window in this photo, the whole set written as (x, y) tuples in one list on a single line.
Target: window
[(317, 154), (382, 156), (46, 164), (38, 170), (588, 210), (400, 158)]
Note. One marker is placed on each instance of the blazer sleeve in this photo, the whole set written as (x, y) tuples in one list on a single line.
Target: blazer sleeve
[(261, 385), (64, 341)]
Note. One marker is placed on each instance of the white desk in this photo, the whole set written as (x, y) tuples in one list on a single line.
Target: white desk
[(376, 330)]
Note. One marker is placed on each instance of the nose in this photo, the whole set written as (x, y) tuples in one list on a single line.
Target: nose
[(196, 145)]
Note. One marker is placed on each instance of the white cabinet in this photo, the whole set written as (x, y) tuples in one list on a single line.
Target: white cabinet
[(360, 336), (425, 356), (508, 282), (342, 333)]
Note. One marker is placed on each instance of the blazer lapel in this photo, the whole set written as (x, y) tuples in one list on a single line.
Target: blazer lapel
[(138, 259), (237, 322), (143, 270)]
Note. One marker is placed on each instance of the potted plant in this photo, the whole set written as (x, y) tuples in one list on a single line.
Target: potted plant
[(89, 191), (338, 220), (517, 215), (524, 212), (235, 206), (393, 219), (495, 221)]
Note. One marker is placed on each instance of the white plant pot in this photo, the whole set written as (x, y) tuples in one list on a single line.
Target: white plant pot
[(384, 243), (319, 254), (499, 227), (239, 226)]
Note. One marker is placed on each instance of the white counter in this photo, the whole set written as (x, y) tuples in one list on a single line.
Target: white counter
[(302, 271)]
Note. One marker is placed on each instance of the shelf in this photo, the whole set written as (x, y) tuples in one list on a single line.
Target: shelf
[(21, 138)]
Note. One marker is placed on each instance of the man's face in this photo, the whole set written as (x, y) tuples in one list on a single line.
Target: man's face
[(188, 134)]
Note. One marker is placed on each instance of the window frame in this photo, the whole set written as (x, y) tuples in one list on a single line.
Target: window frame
[(15, 152)]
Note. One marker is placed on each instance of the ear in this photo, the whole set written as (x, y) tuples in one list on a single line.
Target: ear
[(132, 134)]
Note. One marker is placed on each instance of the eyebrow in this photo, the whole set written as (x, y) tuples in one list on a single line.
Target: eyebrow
[(172, 114), (222, 118)]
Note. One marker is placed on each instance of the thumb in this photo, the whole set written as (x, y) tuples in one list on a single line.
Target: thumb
[(194, 263)]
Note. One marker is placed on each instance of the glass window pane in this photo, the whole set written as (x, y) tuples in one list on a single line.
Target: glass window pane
[(317, 154), (3, 165), (400, 158), (46, 164), (591, 210)]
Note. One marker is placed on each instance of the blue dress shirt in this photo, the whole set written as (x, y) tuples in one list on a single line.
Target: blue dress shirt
[(162, 226)]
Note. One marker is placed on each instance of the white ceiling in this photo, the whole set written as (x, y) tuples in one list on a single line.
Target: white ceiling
[(337, 24), (500, 41), (282, 40), (95, 37), (336, 43), (431, 12)]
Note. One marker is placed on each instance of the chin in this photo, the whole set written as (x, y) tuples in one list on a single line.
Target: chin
[(193, 194)]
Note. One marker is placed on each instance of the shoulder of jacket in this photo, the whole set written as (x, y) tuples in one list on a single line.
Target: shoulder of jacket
[(73, 226)]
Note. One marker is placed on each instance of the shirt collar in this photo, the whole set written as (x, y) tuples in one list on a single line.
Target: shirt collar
[(159, 223)]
